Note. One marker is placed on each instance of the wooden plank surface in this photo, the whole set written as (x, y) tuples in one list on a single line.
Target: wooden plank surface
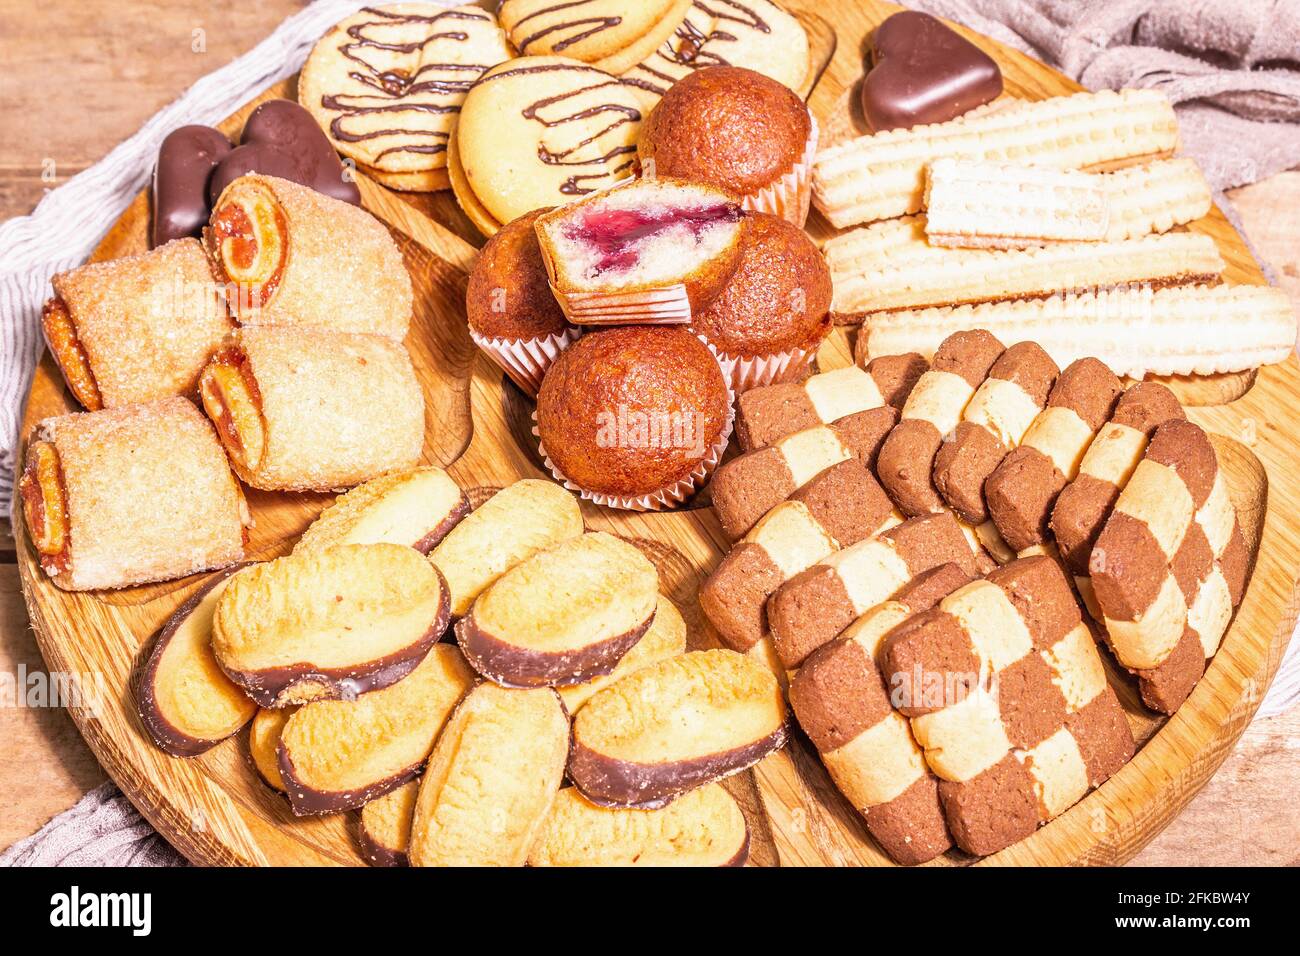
[(120, 64)]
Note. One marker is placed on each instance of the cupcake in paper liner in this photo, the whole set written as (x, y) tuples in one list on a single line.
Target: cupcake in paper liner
[(635, 417), (644, 251), (512, 315), (740, 131), (772, 316)]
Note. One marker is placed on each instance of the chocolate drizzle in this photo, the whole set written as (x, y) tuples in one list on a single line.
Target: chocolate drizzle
[(396, 85), (576, 184), (687, 46), (596, 24)]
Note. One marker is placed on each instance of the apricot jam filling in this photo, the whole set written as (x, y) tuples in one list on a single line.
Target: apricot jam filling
[(69, 355), (232, 400), (248, 239), (45, 506)]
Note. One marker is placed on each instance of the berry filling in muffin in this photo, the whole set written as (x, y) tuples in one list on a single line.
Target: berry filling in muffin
[(617, 236)]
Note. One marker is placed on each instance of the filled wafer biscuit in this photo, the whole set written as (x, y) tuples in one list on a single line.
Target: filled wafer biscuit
[(184, 700), (815, 605), (933, 409), (675, 726), (416, 508), (1188, 330), (493, 776), (993, 423), (883, 175), (511, 526), (329, 624), (289, 255), (135, 329), (1085, 503), (890, 266), (338, 754), (704, 827), (997, 206), (384, 830), (1170, 564), (665, 638), (843, 703), (790, 538), (1008, 698), (564, 616), (1155, 197), (303, 409), (128, 495), (1022, 489), (770, 412), (746, 488)]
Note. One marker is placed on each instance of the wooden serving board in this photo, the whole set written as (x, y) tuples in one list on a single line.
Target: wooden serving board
[(216, 810)]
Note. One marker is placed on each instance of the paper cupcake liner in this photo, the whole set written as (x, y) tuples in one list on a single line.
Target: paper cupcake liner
[(526, 360), (664, 306), (743, 373), (663, 499), (789, 196)]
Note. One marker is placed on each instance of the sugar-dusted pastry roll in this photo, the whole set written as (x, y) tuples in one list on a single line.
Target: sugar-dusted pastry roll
[(289, 255), (311, 410), (135, 329), (128, 495)]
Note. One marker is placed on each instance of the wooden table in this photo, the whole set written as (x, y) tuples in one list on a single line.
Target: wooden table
[(117, 66)]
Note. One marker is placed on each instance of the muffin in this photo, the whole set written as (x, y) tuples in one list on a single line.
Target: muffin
[(650, 250), (738, 130), (635, 417), (771, 317), (512, 315)]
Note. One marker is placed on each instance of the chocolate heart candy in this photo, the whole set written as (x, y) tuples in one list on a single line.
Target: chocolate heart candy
[(180, 181), (923, 72), (281, 139)]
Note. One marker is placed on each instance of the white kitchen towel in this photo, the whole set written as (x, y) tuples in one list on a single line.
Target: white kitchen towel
[(1233, 110)]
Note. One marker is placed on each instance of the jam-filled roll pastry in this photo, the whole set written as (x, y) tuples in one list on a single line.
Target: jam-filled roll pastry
[(310, 410), (130, 495), (288, 255), (135, 329)]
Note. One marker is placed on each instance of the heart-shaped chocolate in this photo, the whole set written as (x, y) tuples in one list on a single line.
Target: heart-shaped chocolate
[(180, 181), (922, 72), (282, 139), (195, 163)]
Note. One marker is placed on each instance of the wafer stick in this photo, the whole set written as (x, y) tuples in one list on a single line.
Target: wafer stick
[(890, 266), (1189, 330), (998, 206), (1155, 197), (1170, 565), (770, 412), (883, 175)]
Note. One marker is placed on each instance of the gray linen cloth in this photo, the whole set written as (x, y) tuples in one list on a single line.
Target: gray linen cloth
[(1233, 69)]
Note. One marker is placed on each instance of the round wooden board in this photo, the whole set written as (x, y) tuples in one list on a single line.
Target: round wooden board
[(215, 809)]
